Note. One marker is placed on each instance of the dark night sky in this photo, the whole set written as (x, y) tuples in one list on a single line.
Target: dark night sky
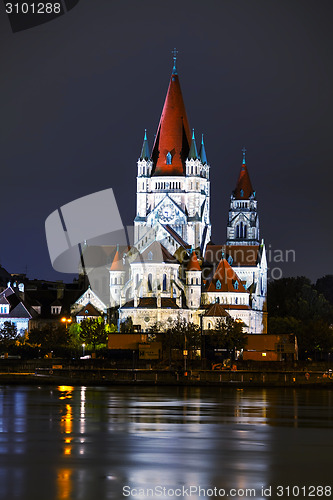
[(78, 92)]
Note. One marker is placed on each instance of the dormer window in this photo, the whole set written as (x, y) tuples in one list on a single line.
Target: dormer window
[(168, 158), (55, 309), (4, 309)]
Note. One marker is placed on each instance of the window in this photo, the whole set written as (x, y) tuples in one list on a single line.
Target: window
[(150, 282), (236, 285), (164, 282), (218, 285), (168, 158), (230, 260), (150, 256)]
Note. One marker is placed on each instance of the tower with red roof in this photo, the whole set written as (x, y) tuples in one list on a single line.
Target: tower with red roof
[(173, 187), (243, 220)]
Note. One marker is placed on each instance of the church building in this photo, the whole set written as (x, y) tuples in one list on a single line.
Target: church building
[(173, 269)]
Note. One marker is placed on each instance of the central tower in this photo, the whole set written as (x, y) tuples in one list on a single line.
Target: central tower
[(173, 187)]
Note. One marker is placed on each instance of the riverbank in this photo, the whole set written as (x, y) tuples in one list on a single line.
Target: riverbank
[(56, 375)]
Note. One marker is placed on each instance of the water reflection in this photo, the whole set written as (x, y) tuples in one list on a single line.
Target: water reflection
[(83, 443)]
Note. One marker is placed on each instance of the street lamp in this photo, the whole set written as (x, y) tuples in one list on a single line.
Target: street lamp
[(83, 348), (66, 321)]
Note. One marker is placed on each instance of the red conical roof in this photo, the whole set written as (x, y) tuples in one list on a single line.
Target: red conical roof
[(173, 133), (244, 185), (225, 278), (117, 263), (193, 264)]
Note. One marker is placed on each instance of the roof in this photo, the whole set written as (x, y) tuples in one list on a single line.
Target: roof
[(241, 255), (151, 303), (155, 253), (88, 310), (173, 134), (243, 188), (145, 149), (216, 310), (117, 263), (193, 264), (225, 279), (176, 236)]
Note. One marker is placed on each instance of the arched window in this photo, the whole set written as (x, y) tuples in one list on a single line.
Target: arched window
[(150, 282), (164, 282), (168, 158), (150, 255), (218, 285), (245, 231), (237, 231), (217, 300), (209, 326), (236, 285)]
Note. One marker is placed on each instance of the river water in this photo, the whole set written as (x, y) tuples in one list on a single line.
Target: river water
[(88, 443)]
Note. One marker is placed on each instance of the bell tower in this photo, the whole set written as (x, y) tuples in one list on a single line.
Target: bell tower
[(243, 221), (173, 186)]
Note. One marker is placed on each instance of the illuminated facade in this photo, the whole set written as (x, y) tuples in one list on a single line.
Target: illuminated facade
[(173, 268)]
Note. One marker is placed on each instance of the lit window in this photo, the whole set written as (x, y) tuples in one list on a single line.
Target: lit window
[(168, 158), (218, 285), (236, 285)]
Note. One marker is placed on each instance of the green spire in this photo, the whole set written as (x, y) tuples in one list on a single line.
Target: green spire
[(145, 149), (174, 55), (193, 154), (202, 152), (244, 151)]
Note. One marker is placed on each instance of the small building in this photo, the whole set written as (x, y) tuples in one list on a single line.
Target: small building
[(269, 347)]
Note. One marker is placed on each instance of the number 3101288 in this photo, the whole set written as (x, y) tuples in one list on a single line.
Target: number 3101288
[(33, 8)]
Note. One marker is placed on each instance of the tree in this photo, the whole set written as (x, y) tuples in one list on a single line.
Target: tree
[(228, 334), (48, 338), (182, 335), (93, 331), (324, 285), (127, 325), (296, 306), (8, 335)]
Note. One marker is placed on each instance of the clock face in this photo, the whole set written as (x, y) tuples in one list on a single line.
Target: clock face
[(166, 213)]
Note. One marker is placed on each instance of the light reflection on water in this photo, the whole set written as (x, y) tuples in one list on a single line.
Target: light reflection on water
[(79, 443)]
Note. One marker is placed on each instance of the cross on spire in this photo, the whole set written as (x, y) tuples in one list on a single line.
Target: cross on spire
[(174, 53), (244, 151)]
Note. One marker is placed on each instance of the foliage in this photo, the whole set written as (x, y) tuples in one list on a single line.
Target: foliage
[(48, 338), (296, 306), (182, 335), (93, 331), (8, 335), (127, 325), (324, 285), (228, 334)]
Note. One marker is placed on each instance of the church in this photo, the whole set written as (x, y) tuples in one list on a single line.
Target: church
[(173, 269)]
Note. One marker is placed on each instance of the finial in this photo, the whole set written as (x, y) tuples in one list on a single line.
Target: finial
[(244, 151), (174, 54)]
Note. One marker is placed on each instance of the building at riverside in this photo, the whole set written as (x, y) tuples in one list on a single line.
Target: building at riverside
[(173, 269)]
